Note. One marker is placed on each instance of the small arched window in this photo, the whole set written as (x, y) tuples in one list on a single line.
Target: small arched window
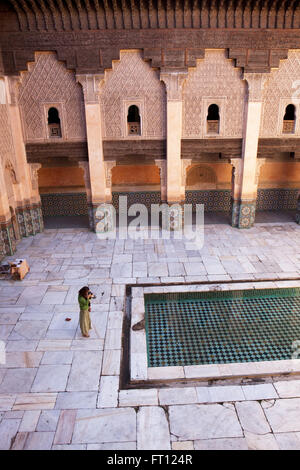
[(213, 119), (54, 123), (289, 120), (134, 120)]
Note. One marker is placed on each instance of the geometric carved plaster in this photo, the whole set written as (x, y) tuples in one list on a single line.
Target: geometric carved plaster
[(132, 80), (48, 83), (282, 88), (215, 80)]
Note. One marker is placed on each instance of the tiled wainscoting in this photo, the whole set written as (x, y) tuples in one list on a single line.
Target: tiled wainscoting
[(267, 199), (29, 221), (140, 197), (213, 200), (276, 199), (54, 204)]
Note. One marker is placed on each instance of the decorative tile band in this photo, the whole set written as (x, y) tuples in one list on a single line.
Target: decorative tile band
[(267, 199), (213, 200), (7, 241), (276, 199), (29, 221), (54, 204), (298, 212), (243, 214), (142, 197)]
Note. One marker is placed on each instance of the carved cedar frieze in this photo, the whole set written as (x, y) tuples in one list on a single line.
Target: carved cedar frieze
[(68, 15)]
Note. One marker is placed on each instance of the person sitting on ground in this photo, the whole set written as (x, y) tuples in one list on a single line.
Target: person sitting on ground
[(84, 316)]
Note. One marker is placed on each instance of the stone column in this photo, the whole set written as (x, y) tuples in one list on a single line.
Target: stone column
[(162, 165), (37, 215), (245, 173), (87, 183), (248, 212), (108, 179), (23, 170), (6, 246), (185, 163), (28, 208), (91, 85), (174, 82)]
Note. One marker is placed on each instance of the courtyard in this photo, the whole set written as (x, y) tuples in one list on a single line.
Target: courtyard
[(59, 390)]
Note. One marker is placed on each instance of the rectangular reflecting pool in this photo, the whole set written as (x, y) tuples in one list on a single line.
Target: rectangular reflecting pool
[(219, 327)]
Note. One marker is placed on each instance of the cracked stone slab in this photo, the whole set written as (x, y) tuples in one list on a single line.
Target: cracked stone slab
[(192, 422), (284, 416), (152, 429), (252, 417), (288, 388), (105, 425)]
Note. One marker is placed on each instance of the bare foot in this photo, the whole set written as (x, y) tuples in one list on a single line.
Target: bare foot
[(86, 336)]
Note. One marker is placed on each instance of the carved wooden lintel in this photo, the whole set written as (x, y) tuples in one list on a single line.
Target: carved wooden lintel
[(174, 82), (91, 86), (256, 82)]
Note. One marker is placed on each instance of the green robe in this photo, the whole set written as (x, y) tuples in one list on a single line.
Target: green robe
[(84, 316)]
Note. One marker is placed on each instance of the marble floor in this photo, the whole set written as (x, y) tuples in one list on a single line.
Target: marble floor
[(61, 391)]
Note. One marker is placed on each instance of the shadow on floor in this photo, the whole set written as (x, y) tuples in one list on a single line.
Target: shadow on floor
[(70, 221), (209, 218), (271, 217)]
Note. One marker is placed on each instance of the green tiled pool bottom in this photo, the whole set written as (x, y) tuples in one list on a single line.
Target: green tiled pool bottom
[(221, 327)]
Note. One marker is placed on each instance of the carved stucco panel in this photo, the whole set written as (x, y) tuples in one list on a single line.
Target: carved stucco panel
[(48, 81), (6, 140), (215, 76), (282, 87), (132, 79)]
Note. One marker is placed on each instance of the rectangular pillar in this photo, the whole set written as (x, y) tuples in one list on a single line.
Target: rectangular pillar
[(28, 203), (246, 172), (174, 81), (91, 89)]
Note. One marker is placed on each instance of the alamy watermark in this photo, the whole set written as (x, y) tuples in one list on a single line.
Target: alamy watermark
[(2, 353), (296, 349), (161, 221)]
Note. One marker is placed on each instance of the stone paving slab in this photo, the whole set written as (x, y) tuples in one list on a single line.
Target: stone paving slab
[(152, 429), (236, 443), (284, 415), (107, 425), (193, 422), (44, 352)]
